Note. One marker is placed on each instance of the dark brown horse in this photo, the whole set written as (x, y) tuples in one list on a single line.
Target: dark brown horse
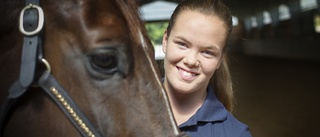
[(95, 50)]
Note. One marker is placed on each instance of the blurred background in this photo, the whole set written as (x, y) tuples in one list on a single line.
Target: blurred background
[(274, 59)]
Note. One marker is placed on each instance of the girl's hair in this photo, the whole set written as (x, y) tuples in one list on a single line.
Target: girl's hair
[(221, 80)]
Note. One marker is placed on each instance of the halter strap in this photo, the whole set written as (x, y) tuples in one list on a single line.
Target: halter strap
[(50, 85), (28, 21), (31, 23)]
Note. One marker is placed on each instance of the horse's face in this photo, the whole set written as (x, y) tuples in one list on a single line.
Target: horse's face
[(100, 59)]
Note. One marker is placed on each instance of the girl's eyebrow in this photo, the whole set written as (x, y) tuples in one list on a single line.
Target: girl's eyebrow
[(211, 47), (183, 39)]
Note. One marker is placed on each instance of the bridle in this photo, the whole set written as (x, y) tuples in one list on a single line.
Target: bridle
[(31, 74), (31, 23)]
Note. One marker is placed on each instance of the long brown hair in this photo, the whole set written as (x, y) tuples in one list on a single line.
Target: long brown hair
[(221, 81)]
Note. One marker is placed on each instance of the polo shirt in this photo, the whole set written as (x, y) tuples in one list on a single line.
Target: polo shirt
[(212, 119)]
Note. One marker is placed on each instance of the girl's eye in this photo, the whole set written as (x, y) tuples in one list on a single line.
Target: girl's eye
[(208, 53), (181, 44)]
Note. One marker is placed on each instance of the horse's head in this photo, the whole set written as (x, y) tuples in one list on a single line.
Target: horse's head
[(98, 52)]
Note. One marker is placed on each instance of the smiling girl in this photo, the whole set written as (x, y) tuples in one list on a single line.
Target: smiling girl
[(197, 78)]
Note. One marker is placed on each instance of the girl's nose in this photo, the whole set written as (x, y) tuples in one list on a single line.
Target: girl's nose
[(191, 60)]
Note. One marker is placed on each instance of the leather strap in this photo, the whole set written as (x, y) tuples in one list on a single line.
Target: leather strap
[(50, 85), (31, 55), (30, 45), (28, 61), (35, 2), (28, 64)]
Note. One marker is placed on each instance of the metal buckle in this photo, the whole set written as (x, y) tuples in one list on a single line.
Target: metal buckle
[(40, 20), (46, 63)]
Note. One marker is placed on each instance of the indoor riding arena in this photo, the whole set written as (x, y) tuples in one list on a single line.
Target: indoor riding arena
[(275, 64)]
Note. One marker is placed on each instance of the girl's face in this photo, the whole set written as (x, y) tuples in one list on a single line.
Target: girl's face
[(193, 51)]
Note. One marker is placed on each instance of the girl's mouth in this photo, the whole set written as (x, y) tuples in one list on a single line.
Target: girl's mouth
[(187, 75)]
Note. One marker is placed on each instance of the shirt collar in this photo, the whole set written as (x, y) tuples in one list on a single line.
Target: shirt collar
[(212, 110)]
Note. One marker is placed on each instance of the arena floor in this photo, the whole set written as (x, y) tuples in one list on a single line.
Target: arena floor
[(277, 97)]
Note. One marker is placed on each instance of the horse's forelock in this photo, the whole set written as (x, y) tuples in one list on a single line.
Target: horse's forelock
[(130, 11), (138, 32)]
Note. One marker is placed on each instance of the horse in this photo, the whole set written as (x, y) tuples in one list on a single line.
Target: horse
[(79, 68)]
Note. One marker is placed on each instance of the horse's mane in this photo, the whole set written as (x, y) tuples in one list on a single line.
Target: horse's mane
[(130, 11)]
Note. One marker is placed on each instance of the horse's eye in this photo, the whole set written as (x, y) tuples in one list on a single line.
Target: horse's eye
[(104, 62)]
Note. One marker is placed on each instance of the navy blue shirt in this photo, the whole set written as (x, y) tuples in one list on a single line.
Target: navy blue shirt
[(213, 120)]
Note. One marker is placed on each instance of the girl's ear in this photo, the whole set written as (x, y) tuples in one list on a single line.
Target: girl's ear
[(164, 42)]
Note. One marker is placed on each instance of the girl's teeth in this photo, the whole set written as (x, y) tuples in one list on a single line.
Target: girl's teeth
[(186, 73)]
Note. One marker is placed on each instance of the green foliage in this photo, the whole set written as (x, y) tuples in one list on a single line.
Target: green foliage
[(156, 31)]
